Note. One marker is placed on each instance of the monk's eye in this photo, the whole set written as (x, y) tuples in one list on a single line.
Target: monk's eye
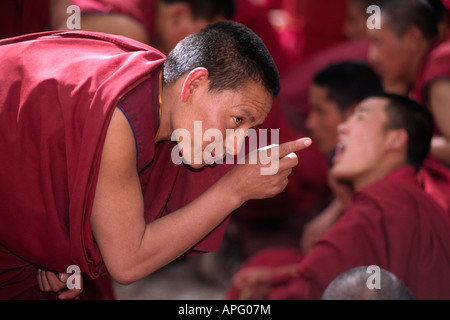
[(238, 121)]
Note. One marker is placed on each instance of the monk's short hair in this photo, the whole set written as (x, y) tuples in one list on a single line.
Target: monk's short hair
[(352, 285), (416, 119), (423, 14), (209, 10), (348, 82), (232, 54)]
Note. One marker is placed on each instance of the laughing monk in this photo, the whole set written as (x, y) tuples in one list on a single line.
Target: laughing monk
[(87, 163), (391, 222)]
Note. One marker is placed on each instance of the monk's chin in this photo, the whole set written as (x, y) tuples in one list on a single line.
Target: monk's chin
[(196, 165)]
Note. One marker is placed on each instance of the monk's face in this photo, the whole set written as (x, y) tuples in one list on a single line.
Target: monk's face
[(362, 143), (217, 121), (390, 55), (323, 119)]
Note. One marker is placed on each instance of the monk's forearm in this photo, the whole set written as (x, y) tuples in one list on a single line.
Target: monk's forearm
[(169, 237)]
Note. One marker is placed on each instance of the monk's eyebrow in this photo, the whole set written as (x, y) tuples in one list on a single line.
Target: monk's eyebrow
[(249, 115), (362, 109)]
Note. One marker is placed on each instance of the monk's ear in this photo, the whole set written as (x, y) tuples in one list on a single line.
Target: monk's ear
[(194, 80), (397, 140)]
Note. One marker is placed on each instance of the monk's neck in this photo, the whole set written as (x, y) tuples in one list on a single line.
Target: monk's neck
[(375, 175), (165, 128)]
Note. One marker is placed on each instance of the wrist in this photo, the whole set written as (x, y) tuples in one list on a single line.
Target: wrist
[(234, 195)]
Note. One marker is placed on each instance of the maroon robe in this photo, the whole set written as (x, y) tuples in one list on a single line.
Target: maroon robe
[(391, 223), (56, 102)]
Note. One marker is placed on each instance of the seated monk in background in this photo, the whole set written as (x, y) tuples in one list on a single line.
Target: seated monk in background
[(391, 223)]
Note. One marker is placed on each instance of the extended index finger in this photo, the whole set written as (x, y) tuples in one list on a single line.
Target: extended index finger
[(293, 146)]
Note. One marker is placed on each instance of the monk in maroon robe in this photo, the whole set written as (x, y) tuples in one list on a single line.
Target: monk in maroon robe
[(391, 223), (89, 173)]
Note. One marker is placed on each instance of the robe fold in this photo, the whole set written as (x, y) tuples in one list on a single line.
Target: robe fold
[(391, 223), (56, 100)]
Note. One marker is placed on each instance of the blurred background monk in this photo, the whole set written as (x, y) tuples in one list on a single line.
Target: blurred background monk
[(404, 53)]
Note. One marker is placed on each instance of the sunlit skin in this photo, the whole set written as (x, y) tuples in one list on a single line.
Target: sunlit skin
[(365, 150), (324, 118), (396, 58)]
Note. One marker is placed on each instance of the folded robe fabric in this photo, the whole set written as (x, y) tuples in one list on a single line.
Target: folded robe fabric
[(56, 100)]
